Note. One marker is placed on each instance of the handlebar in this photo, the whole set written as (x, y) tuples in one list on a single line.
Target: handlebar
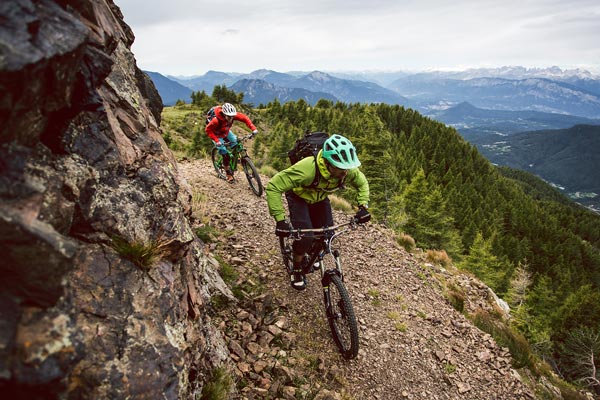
[(353, 224), (242, 139)]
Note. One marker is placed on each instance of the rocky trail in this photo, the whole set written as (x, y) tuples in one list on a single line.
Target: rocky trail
[(413, 343)]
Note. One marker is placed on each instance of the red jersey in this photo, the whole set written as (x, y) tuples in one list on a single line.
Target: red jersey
[(218, 127)]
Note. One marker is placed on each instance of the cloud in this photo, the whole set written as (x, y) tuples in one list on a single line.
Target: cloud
[(284, 35)]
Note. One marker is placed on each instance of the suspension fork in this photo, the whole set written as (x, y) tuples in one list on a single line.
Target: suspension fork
[(325, 281)]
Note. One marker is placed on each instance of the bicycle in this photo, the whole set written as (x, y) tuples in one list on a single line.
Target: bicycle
[(238, 154), (338, 306)]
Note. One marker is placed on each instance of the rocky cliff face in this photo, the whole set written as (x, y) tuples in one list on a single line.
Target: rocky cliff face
[(82, 168)]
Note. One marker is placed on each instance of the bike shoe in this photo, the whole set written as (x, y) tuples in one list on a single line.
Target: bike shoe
[(298, 281), (229, 177)]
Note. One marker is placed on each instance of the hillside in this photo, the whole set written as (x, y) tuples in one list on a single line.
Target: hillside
[(567, 158), (414, 344)]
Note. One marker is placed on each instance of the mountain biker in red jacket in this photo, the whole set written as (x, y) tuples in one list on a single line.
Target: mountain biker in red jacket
[(219, 130)]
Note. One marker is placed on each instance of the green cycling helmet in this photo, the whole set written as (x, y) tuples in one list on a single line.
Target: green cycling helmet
[(340, 152)]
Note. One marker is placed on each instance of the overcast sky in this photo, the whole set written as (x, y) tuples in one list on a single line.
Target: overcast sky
[(191, 37)]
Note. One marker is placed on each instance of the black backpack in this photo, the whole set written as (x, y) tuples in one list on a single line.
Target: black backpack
[(306, 146), (210, 115)]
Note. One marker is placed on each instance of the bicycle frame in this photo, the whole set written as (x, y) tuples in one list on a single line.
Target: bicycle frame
[(236, 152), (322, 246)]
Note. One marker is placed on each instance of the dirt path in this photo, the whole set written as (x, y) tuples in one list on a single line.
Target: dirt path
[(413, 344)]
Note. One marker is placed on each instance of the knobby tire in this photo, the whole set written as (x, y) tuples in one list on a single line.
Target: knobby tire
[(252, 176), (342, 320)]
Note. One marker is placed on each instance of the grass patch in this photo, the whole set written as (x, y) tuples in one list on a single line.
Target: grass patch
[(218, 387), (142, 254), (456, 298), (374, 294), (393, 315), (449, 368), (400, 326), (227, 271), (506, 337), (206, 233), (202, 208), (339, 203), (267, 170)]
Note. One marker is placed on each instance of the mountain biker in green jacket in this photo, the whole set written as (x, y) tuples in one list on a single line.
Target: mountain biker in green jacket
[(309, 207)]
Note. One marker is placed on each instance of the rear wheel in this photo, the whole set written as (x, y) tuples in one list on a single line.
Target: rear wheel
[(217, 160), (252, 176), (342, 320)]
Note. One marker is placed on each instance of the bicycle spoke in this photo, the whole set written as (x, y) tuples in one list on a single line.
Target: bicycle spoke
[(342, 320)]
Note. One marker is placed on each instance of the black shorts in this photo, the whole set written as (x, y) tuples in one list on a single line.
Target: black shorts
[(307, 216)]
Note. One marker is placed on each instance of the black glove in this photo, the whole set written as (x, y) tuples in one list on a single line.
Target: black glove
[(362, 216), (283, 228)]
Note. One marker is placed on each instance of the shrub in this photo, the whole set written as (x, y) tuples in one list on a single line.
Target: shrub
[(406, 241), (438, 257)]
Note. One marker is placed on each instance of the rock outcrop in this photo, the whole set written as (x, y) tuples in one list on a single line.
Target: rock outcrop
[(104, 285)]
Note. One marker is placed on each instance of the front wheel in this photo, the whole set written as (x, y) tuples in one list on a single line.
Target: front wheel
[(285, 245), (342, 320), (217, 160), (252, 176)]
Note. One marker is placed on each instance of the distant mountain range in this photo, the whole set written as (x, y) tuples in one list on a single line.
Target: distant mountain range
[(263, 86), (550, 90), (170, 91), (489, 108), (258, 91), (473, 122), (536, 94)]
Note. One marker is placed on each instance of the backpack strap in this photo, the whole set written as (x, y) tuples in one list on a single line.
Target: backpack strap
[(317, 177)]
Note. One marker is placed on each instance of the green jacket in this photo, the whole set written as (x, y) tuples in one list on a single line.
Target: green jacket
[(301, 175)]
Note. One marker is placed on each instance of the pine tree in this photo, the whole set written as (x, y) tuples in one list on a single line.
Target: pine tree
[(434, 227), (483, 263), (373, 144), (519, 286)]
